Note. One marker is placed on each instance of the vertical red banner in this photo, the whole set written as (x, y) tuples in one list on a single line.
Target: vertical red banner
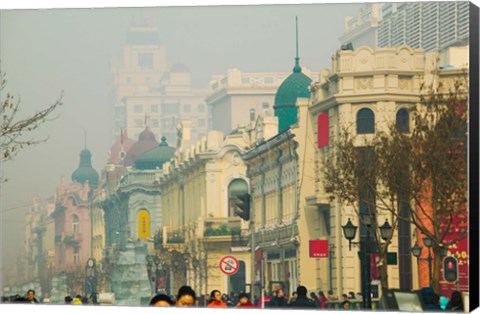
[(323, 128)]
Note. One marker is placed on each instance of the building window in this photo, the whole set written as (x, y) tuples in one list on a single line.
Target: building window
[(201, 108), (201, 123), (187, 108), (154, 108), (365, 121), (265, 105), (323, 128), (155, 123), (252, 115), (76, 255), (236, 187), (145, 60), (138, 108), (122, 155), (75, 224), (403, 120)]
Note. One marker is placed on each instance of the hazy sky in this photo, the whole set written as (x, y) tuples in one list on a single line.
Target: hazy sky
[(46, 51)]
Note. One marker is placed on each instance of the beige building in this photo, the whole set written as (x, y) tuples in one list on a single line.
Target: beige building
[(237, 98), (364, 92), (146, 90), (199, 187)]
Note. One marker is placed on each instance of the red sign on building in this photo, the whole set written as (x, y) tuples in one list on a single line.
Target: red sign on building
[(318, 248)]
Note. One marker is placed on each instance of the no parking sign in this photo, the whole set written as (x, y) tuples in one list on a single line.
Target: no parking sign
[(229, 265)]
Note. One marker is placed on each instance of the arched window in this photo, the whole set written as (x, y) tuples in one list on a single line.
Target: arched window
[(143, 224), (236, 187), (365, 121), (75, 224), (403, 120)]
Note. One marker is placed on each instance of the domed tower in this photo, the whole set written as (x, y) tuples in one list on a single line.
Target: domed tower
[(156, 157), (119, 149), (85, 171), (295, 86), (146, 141)]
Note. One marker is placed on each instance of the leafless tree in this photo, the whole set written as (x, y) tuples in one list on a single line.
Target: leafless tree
[(14, 131)]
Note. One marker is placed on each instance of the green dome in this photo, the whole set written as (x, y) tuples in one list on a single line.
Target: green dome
[(155, 157), (295, 86), (85, 171)]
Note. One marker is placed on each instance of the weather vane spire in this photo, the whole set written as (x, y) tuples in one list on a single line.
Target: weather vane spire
[(297, 68)]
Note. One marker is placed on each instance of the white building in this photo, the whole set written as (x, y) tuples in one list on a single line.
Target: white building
[(432, 26)]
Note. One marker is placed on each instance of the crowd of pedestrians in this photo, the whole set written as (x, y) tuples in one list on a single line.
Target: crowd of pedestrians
[(186, 297)]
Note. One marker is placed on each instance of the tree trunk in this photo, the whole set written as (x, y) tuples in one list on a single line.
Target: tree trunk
[(437, 261), (383, 268)]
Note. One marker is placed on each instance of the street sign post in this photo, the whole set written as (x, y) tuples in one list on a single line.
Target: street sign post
[(229, 265)]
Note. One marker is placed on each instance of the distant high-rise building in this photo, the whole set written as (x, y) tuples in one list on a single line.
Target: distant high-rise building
[(432, 26), (146, 91)]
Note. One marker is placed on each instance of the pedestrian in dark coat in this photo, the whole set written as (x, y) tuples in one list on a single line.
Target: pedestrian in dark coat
[(456, 302), (278, 300), (302, 301), (428, 297), (315, 300)]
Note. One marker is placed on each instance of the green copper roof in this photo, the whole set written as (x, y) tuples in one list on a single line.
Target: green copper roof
[(295, 86), (155, 157), (85, 171)]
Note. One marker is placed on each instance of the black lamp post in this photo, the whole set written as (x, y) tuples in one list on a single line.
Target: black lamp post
[(386, 230), (428, 243), (349, 231), (416, 251)]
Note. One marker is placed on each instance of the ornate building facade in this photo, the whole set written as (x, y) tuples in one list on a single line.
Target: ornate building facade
[(365, 91), (199, 188)]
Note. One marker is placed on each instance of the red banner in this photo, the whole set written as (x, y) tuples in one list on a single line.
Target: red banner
[(318, 248)]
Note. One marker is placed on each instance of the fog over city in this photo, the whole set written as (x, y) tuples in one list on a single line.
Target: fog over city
[(44, 52)]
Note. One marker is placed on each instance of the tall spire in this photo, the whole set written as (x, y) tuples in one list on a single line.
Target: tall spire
[(85, 138), (297, 68)]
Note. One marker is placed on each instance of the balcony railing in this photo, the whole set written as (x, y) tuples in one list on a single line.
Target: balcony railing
[(229, 226)]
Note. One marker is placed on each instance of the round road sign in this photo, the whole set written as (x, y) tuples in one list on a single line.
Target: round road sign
[(229, 265)]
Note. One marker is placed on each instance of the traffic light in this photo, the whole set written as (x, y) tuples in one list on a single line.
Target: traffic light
[(450, 268), (242, 205)]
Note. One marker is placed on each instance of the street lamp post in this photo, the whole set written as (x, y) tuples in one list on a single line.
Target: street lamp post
[(349, 231), (428, 243), (153, 263)]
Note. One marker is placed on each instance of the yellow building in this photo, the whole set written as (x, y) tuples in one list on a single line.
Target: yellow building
[(364, 92), (199, 188)]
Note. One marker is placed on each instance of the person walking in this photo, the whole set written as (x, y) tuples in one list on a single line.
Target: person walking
[(244, 301), (315, 300), (322, 298), (216, 299), (185, 297), (456, 302), (278, 299), (302, 301), (31, 297), (161, 300)]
